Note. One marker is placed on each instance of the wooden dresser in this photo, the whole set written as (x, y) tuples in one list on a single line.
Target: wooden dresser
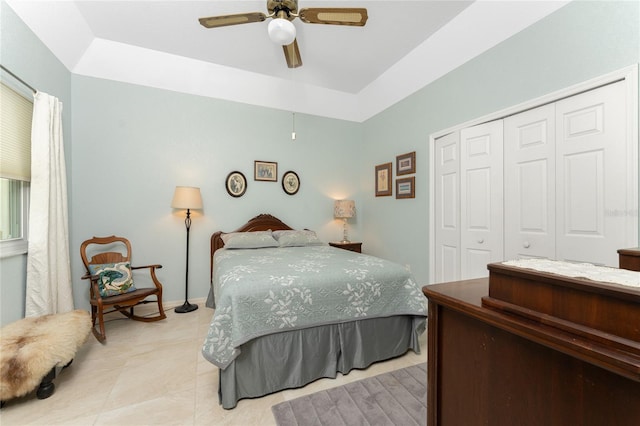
[(629, 258), (527, 348)]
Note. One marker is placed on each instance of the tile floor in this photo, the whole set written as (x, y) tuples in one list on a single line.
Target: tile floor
[(154, 374)]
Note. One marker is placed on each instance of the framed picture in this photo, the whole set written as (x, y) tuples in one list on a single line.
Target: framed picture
[(265, 170), (383, 180), (406, 187), (290, 182), (236, 184), (406, 164)]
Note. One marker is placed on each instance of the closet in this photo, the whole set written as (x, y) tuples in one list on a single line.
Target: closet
[(554, 181)]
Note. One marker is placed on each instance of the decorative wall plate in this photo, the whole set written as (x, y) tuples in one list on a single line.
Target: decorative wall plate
[(236, 184), (290, 182)]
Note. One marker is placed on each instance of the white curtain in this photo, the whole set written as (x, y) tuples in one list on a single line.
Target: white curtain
[(49, 289)]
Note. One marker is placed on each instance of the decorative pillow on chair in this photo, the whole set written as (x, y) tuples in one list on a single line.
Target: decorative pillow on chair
[(113, 278)]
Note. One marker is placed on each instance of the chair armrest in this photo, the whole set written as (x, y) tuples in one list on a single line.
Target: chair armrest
[(152, 271), (88, 276), (147, 266)]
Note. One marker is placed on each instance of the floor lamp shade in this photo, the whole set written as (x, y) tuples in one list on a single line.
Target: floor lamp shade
[(187, 197)]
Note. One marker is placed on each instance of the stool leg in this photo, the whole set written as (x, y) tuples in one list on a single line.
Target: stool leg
[(46, 388)]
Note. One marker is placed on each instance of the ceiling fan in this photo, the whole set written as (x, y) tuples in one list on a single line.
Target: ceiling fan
[(282, 31)]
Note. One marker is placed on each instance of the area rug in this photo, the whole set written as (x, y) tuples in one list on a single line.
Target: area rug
[(395, 398)]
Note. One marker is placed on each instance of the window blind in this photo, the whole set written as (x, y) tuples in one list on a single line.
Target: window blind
[(16, 114)]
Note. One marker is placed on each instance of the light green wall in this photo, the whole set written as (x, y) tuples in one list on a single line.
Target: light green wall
[(128, 146), (134, 144), (580, 41)]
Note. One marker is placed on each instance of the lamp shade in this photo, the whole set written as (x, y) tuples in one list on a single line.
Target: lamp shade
[(281, 31), (187, 197), (344, 209)]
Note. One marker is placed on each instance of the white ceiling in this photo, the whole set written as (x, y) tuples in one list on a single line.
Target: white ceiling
[(348, 72)]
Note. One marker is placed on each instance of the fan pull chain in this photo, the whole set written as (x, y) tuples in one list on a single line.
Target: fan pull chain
[(293, 126)]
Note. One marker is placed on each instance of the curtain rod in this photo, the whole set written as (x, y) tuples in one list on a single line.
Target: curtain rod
[(18, 78)]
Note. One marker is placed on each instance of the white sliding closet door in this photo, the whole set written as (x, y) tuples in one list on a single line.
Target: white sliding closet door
[(570, 184), (529, 184), (447, 207), (481, 206), (593, 176)]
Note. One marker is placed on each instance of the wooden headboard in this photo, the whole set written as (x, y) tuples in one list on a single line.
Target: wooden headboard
[(262, 222)]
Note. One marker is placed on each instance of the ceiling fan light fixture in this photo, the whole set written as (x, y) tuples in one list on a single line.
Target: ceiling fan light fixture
[(282, 31)]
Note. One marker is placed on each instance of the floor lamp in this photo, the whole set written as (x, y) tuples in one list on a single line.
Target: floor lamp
[(187, 197)]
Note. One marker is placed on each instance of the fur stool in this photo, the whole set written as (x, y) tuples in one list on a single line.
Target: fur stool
[(32, 348)]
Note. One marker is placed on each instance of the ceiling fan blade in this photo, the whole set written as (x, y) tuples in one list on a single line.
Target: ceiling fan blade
[(292, 55), (225, 20), (334, 16)]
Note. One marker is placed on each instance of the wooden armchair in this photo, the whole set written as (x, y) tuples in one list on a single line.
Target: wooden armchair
[(109, 255)]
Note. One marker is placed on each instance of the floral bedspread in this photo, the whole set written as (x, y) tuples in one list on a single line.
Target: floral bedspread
[(268, 290)]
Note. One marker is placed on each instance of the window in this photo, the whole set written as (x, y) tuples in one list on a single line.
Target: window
[(16, 112)]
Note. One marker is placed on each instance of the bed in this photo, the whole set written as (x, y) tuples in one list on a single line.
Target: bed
[(297, 310)]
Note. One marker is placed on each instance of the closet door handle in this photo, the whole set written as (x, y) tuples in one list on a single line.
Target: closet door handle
[(480, 240), (526, 244)]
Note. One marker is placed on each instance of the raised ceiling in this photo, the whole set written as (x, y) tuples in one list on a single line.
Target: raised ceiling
[(348, 72)]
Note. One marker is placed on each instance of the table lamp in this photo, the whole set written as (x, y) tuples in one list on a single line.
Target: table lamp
[(344, 209)]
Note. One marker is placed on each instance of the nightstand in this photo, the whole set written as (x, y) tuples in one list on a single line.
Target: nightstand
[(357, 247)]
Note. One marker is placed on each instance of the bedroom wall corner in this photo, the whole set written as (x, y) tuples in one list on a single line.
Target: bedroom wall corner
[(580, 41), (26, 56)]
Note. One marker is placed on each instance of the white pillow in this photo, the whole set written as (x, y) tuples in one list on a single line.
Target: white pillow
[(297, 238), (247, 240)]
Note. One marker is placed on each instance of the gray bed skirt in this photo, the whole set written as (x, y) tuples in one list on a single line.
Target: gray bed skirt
[(295, 358)]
